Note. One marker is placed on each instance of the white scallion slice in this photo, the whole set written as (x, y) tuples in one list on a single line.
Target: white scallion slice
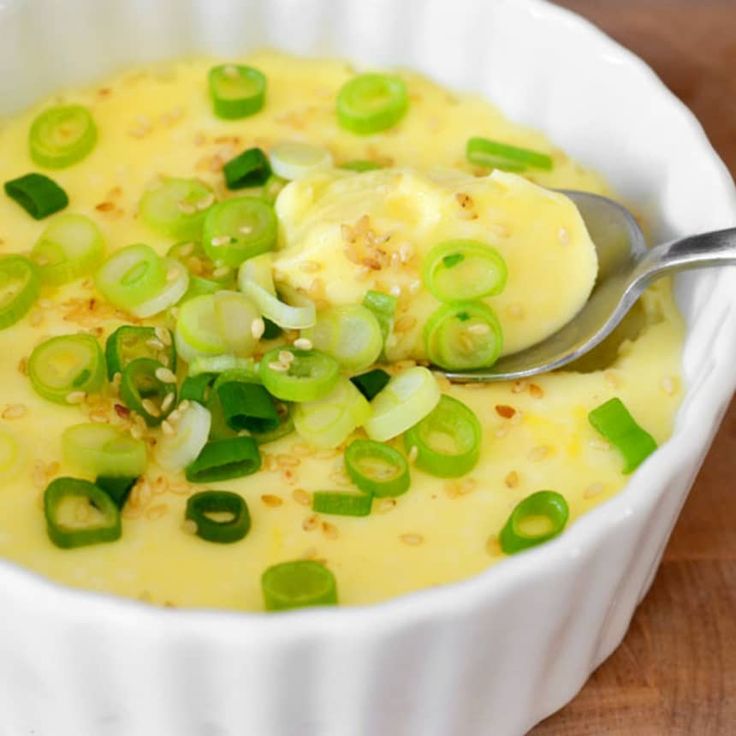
[(255, 280), (351, 334), (177, 283), (221, 364), (406, 400), (234, 316), (329, 422), (100, 449), (197, 330), (294, 160), (176, 451)]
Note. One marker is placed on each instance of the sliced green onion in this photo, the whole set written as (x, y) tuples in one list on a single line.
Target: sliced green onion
[(351, 334), (371, 383), (284, 428), (223, 459), (201, 266), (294, 161), (61, 136), (38, 195), (234, 317), (307, 375), (462, 270), (341, 503), (197, 388), (272, 188), (298, 584), (66, 501), (248, 169), (377, 469), (19, 288), (256, 281), (447, 440), (383, 307), (70, 247), (177, 283), (406, 400), (143, 391), (248, 406), (177, 207), (197, 330), (537, 519), (370, 103), (238, 229), (132, 276), (237, 91), (117, 487), (615, 423), (329, 421), (463, 336), (177, 451), (220, 364), (360, 166), (129, 342), (271, 330), (65, 368), (218, 516), (496, 155), (200, 287), (100, 449)]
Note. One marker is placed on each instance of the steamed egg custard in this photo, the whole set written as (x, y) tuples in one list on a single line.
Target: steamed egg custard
[(223, 290)]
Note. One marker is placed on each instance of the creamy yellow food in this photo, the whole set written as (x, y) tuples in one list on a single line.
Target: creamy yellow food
[(536, 435)]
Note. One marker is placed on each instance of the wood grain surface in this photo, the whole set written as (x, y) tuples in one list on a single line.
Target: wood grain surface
[(675, 672)]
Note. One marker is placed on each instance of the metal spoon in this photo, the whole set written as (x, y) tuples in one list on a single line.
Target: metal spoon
[(625, 268)]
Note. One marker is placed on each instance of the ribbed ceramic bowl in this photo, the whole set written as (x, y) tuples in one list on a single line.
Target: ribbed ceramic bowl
[(492, 655)]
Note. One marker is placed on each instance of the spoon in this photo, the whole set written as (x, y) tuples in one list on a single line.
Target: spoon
[(625, 268)]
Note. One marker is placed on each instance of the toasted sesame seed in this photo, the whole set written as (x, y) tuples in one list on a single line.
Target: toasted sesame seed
[(206, 202), (505, 411), (163, 335), (189, 526), (503, 430), (245, 229), (516, 311), (220, 240), (14, 411), (222, 272), (257, 328), (413, 454), (186, 250), (480, 328), (76, 397), (310, 523), (35, 318), (413, 540), (405, 323), (395, 290), (302, 343), (45, 303), (493, 547), (330, 530), (156, 512), (155, 343), (406, 252), (168, 401), (512, 479), (167, 428), (136, 432), (165, 375), (184, 405), (385, 505), (519, 387), (271, 500), (150, 408), (301, 497), (535, 391), (286, 357)]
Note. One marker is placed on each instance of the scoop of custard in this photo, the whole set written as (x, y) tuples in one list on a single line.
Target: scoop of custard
[(344, 233)]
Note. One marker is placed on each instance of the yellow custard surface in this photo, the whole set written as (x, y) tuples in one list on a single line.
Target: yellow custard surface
[(158, 122)]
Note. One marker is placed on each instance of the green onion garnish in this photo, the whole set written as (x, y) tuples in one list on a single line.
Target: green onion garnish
[(292, 161), (19, 288), (298, 584), (447, 440), (222, 364), (370, 103), (341, 503), (100, 449), (223, 459), (178, 450), (235, 315), (117, 487), (377, 469), (536, 519), (219, 516), (131, 276), (38, 195), (360, 166), (129, 342), (197, 388), (271, 330), (248, 406), (305, 375), (272, 188), (238, 229), (237, 91), (614, 421), (201, 267), (285, 426), (248, 169), (329, 421), (197, 331), (61, 136), (66, 368), (383, 307), (70, 247), (147, 390), (462, 270), (463, 336), (350, 334), (406, 400), (496, 155), (177, 207), (371, 383), (66, 501)]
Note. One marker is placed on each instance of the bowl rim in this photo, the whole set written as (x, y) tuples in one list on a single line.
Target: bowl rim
[(450, 599)]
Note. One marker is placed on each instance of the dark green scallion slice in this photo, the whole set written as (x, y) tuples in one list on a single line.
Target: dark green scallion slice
[(248, 169), (537, 519), (143, 391), (197, 388), (497, 155), (371, 383), (377, 469), (219, 516), (248, 405), (38, 195), (223, 459), (117, 487), (129, 342), (341, 503), (63, 501), (298, 584)]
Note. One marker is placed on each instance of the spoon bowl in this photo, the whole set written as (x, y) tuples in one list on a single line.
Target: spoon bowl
[(625, 268)]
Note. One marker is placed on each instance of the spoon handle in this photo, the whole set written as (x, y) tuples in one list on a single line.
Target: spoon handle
[(716, 248)]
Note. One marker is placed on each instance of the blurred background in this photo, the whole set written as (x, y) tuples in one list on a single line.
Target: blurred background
[(675, 673)]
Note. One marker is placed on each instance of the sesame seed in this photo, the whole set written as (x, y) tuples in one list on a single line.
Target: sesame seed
[(413, 454), (385, 505), (155, 343), (479, 328), (150, 408), (310, 266), (136, 432), (220, 240), (156, 512), (519, 387), (257, 328), (286, 357), (166, 427), (413, 540), (222, 272), (512, 479), (206, 202), (301, 497), (330, 530), (493, 547), (230, 71), (302, 343), (189, 526), (405, 323), (310, 523), (165, 375), (271, 500), (76, 397), (14, 411), (505, 411), (186, 208), (536, 392), (184, 405), (245, 229), (163, 334), (168, 401)]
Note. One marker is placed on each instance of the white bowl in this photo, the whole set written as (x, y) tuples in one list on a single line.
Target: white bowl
[(494, 654)]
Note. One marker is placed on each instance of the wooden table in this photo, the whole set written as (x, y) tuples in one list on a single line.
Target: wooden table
[(675, 673)]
